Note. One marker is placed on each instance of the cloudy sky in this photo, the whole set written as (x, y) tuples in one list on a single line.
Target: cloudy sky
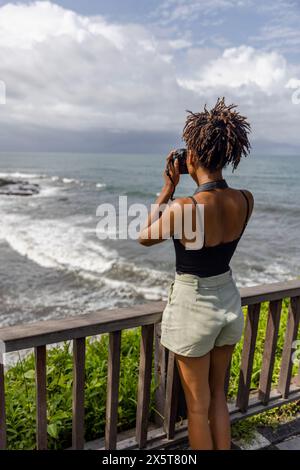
[(119, 75)]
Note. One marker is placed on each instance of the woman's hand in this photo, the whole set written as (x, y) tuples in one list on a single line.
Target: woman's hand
[(173, 170), (160, 223)]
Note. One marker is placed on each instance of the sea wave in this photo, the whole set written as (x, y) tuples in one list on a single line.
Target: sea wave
[(48, 191), (54, 243), (67, 245), (272, 272), (70, 180), (19, 174), (64, 179)]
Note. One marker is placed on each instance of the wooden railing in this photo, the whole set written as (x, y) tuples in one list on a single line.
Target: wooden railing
[(169, 392)]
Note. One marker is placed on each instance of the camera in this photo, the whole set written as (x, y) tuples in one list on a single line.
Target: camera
[(181, 155)]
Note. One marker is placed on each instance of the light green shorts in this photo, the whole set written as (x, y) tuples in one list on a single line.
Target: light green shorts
[(201, 312)]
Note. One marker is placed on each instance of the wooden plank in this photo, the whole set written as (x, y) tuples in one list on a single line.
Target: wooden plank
[(171, 402), (107, 320), (291, 335), (144, 384), (247, 357), (267, 292), (41, 397), (102, 321), (112, 401), (78, 393), (2, 406), (297, 378), (269, 350), (160, 376)]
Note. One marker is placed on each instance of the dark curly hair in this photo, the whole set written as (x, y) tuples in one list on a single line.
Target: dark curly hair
[(219, 136)]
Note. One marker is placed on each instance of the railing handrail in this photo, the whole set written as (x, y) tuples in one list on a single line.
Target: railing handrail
[(41, 333)]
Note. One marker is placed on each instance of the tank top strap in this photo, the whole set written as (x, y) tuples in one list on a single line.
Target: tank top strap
[(195, 202), (247, 214)]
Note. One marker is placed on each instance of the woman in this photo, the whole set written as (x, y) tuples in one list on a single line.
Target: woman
[(203, 319)]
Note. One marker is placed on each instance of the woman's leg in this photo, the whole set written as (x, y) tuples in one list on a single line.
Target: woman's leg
[(218, 412), (194, 373)]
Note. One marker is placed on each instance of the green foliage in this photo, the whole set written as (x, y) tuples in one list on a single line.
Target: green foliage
[(20, 392), (20, 389)]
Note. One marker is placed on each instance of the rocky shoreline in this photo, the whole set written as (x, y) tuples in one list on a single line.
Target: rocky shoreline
[(16, 187)]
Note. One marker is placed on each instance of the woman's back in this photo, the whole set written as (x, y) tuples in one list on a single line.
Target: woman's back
[(226, 213)]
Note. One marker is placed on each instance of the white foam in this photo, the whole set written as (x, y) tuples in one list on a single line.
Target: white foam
[(69, 180), (18, 174), (277, 271), (100, 185), (48, 191), (65, 180), (131, 289), (55, 244)]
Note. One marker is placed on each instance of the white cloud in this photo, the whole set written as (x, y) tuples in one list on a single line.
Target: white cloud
[(259, 82), (241, 66), (293, 83), (66, 71), (63, 69)]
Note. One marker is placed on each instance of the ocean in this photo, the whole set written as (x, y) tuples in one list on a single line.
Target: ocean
[(53, 264)]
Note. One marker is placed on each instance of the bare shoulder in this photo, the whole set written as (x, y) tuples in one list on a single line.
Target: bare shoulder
[(181, 201), (250, 198)]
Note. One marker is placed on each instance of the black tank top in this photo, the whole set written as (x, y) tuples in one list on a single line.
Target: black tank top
[(208, 260)]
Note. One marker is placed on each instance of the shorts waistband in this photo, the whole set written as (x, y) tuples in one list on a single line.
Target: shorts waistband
[(210, 281)]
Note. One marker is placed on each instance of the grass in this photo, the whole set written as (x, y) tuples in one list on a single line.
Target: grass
[(20, 390)]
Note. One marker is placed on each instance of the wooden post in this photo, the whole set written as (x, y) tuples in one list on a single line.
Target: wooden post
[(290, 337), (160, 375), (41, 397), (247, 357), (297, 378), (265, 382), (78, 393), (144, 384), (171, 403), (113, 378)]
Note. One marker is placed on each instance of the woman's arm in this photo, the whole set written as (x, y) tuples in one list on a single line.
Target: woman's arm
[(159, 225)]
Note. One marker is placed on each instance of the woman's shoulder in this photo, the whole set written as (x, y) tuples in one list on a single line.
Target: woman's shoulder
[(250, 199), (249, 196), (200, 198), (247, 192)]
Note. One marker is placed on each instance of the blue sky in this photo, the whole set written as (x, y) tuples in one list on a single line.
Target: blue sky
[(122, 73)]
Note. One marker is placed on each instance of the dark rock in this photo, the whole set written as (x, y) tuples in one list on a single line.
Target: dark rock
[(15, 187)]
